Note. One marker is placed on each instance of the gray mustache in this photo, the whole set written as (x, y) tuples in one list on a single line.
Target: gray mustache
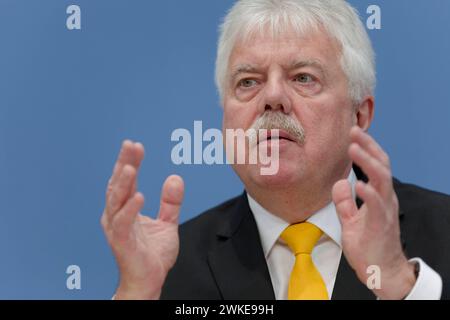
[(279, 120)]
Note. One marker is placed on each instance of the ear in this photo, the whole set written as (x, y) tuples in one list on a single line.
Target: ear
[(364, 113)]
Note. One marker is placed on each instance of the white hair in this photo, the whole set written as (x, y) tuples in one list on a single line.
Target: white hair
[(273, 17)]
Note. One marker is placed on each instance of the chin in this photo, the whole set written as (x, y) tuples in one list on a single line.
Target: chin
[(287, 175)]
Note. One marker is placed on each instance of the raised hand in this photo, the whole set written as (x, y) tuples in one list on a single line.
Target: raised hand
[(371, 234), (145, 249)]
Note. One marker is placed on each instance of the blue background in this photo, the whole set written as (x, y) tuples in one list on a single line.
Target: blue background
[(139, 69)]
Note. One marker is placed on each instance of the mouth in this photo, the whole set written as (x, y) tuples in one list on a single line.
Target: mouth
[(282, 135)]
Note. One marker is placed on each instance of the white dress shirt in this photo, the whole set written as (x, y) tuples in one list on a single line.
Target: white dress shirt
[(326, 254)]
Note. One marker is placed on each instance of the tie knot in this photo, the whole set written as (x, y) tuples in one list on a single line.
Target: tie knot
[(301, 237)]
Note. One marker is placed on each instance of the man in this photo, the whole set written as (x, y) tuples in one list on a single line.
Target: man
[(330, 218)]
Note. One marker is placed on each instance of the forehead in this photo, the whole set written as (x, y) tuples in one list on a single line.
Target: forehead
[(285, 49)]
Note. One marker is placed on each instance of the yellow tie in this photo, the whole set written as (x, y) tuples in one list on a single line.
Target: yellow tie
[(305, 283)]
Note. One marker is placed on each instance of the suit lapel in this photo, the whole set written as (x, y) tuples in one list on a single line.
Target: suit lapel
[(237, 262), (348, 286)]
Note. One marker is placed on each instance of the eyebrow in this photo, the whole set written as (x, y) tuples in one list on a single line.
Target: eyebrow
[(309, 63), (243, 68), (248, 68)]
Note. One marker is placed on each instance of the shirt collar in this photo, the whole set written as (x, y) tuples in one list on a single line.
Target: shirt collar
[(270, 226)]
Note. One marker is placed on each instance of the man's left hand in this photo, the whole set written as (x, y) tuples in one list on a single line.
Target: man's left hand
[(371, 234)]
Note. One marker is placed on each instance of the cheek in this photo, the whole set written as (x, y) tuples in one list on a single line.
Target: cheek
[(327, 127), (238, 115)]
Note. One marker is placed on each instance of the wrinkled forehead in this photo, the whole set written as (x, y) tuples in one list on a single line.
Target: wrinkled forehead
[(287, 46)]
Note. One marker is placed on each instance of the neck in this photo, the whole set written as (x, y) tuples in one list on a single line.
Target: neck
[(297, 203)]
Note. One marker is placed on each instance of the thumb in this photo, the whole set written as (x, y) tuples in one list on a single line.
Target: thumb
[(171, 199), (343, 200)]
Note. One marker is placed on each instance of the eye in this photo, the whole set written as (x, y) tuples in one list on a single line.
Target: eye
[(247, 83), (304, 78)]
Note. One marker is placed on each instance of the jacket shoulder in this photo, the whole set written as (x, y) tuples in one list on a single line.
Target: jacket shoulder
[(415, 199), (208, 221), (424, 228), (191, 277)]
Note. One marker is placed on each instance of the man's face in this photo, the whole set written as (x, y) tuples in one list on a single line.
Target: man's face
[(302, 78)]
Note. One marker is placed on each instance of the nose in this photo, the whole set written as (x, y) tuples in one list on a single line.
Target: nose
[(276, 97)]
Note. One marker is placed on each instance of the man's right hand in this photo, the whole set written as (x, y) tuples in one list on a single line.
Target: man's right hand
[(145, 249)]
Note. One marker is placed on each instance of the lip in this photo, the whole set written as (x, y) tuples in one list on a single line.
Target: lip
[(282, 135)]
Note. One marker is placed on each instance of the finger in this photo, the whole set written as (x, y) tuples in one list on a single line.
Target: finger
[(139, 153), (171, 199), (121, 190), (376, 212), (379, 176), (130, 153), (123, 221), (344, 201), (369, 144), (123, 157)]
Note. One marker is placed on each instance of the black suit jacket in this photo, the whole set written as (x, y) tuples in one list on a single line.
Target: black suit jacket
[(221, 256)]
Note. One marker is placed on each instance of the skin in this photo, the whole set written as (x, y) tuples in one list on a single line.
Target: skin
[(321, 104), (310, 174), (145, 249)]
